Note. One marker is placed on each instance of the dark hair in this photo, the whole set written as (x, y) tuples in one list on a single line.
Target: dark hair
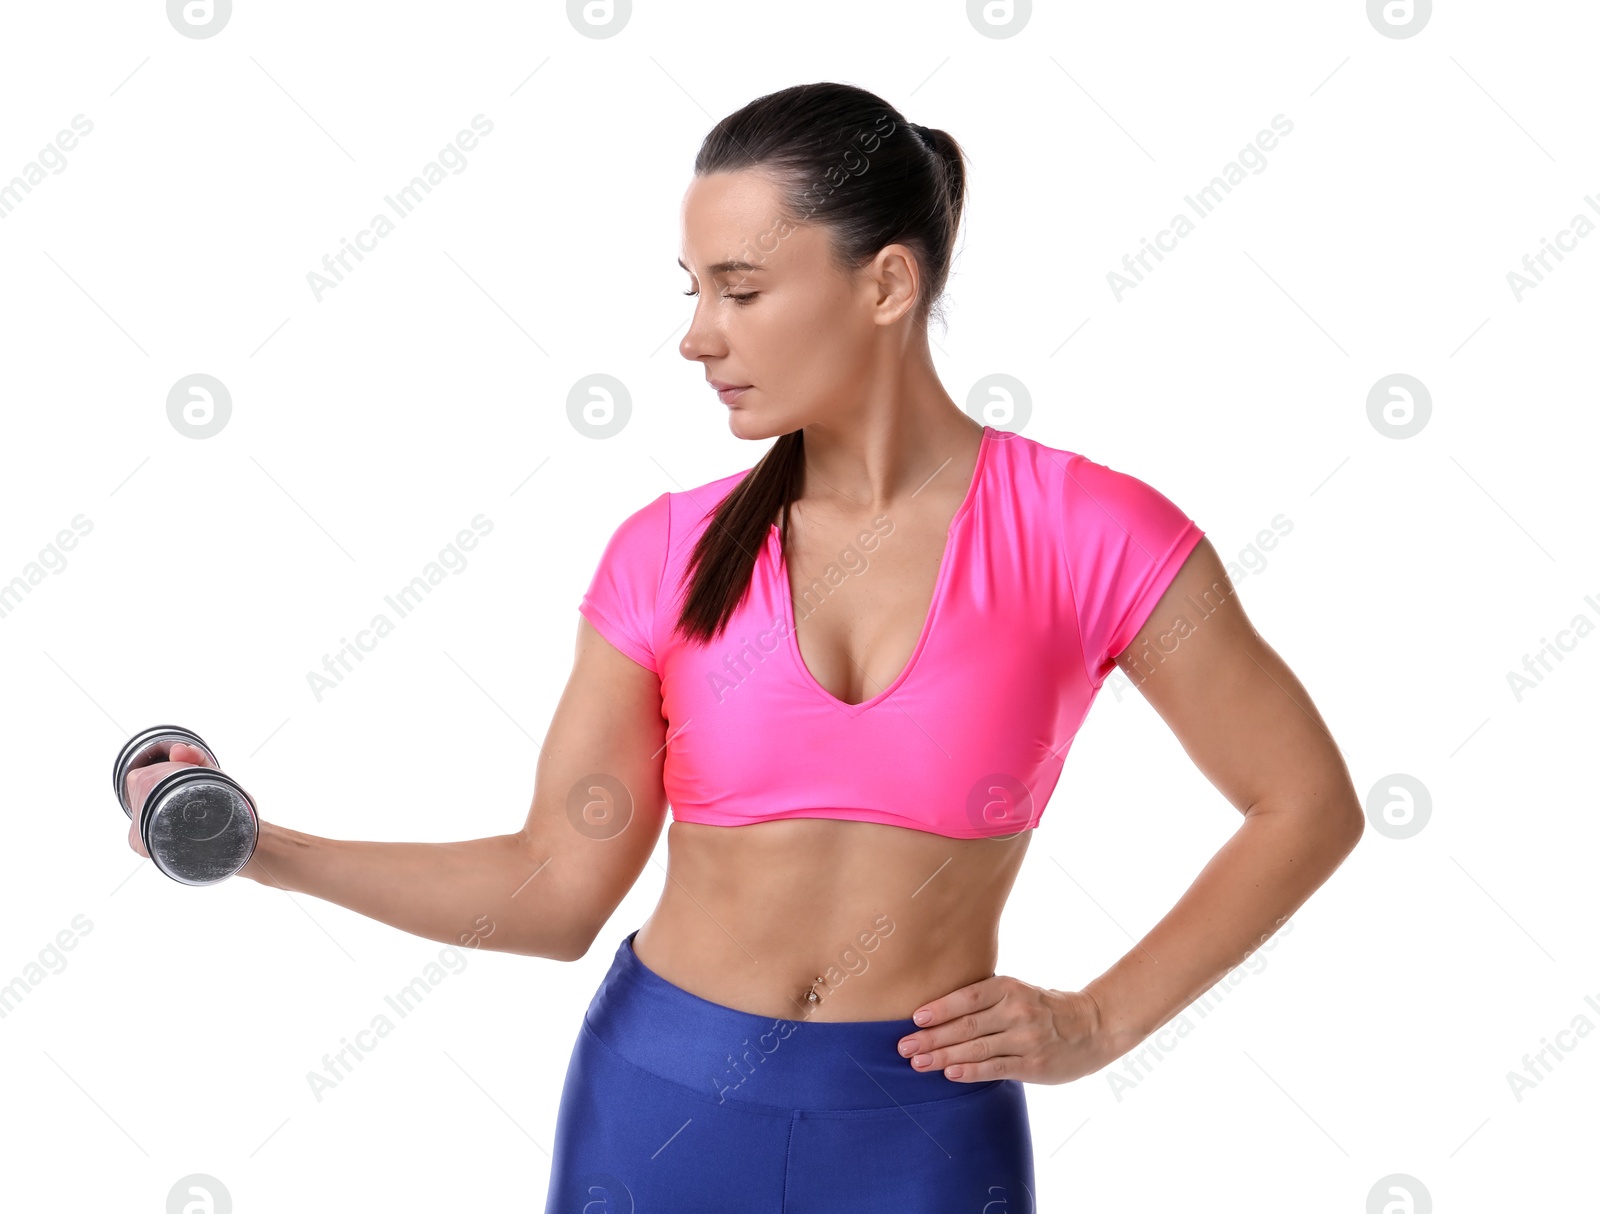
[(845, 159)]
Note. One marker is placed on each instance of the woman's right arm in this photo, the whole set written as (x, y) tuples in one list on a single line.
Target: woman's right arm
[(546, 890)]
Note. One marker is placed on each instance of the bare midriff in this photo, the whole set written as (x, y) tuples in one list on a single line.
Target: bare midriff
[(887, 918)]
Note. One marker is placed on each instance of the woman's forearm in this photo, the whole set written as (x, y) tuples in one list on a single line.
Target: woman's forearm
[(1275, 860), (478, 893)]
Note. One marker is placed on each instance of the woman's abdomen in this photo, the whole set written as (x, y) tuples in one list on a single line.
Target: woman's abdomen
[(751, 917)]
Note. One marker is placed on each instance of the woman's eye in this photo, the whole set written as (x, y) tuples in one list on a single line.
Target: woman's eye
[(745, 298)]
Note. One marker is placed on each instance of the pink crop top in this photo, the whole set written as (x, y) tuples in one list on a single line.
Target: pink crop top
[(1052, 565)]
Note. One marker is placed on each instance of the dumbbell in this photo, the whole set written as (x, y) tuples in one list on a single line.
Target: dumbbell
[(198, 824)]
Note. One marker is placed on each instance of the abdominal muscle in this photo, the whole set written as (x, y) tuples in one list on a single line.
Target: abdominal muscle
[(889, 918)]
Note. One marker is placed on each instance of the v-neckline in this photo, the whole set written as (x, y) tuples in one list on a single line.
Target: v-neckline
[(781, 565)]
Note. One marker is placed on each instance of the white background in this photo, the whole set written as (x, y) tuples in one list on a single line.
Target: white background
[(369, 427)]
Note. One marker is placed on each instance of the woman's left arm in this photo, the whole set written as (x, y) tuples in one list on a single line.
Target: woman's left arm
[(1252, 730)]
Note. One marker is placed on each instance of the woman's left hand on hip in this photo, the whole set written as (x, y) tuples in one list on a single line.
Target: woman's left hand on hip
[(1004, 1028)]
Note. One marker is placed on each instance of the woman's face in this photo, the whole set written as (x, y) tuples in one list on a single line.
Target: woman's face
[(807, 338)]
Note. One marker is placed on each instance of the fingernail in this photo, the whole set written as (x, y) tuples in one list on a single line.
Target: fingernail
[(921, 1017), (906, 1047)]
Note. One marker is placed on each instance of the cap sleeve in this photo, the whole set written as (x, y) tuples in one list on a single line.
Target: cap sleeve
[(621, 599), (1124, 543)]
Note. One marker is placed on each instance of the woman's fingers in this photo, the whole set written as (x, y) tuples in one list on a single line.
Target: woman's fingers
[(935, 1047), (991, 1057), (140, 780), (1034, 1033), (998, 1028), (134, 841), (191, 756)]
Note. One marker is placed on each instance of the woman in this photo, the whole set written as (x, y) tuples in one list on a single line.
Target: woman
[(854, 670)]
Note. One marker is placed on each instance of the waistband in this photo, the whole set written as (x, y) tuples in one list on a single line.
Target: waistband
[(734, 1056)]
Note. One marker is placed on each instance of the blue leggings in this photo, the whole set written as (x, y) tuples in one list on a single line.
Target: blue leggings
[(677, 1105)]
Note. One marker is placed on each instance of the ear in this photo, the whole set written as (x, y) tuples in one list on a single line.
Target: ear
[(896, 277)]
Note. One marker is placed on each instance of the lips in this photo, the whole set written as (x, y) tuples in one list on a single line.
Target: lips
[(728, 393)]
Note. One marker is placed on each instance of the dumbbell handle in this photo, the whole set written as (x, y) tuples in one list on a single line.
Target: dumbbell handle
[(153, 745)]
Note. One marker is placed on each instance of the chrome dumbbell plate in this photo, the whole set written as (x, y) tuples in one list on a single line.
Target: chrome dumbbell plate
[(197, 823), (199, 826)]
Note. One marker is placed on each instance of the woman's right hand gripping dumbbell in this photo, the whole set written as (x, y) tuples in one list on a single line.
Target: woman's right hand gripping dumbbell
[(141, 780), (193, 820)]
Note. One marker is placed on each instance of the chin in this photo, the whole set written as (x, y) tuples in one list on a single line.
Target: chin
[(747, 425)]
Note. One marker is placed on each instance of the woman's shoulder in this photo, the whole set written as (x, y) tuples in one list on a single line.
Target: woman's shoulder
[(664, 529), (1078, 482), (676, 511)]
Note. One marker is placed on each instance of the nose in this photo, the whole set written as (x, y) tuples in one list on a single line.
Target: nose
[(703, 339)]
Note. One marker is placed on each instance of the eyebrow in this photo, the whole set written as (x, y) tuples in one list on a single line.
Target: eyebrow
[(727, 267)]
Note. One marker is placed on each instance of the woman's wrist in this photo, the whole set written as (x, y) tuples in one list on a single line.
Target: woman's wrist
[(1114, 1032), (271, 862)]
